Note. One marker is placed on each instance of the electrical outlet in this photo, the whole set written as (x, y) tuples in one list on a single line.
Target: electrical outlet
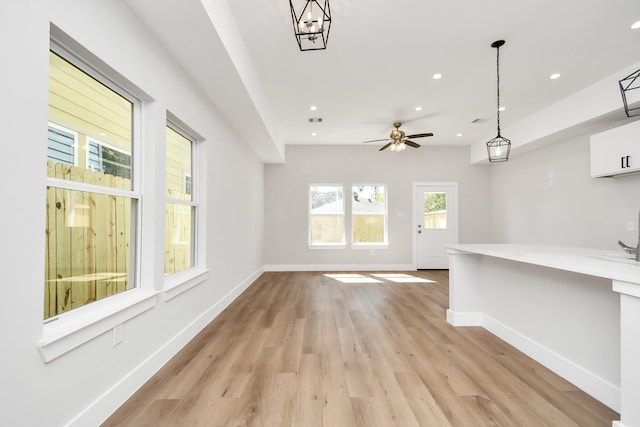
[(630, 226), (117, 334)]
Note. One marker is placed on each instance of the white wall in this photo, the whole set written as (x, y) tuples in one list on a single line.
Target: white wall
[(547, 196), (287, 188), (89, 382), (83, 386)]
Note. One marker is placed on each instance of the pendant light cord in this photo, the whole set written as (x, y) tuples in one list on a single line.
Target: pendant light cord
[(498, 86)]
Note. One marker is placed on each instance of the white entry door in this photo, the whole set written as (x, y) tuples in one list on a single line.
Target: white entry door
[(435, 223)]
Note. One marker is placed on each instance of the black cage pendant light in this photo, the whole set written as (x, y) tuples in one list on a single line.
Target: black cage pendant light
[(499, 147), (311, 26), (631, 99)]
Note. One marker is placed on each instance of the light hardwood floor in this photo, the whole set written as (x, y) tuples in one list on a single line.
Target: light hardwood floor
[(303, 349)]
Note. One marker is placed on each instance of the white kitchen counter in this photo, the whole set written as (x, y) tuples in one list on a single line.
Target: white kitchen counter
[(575, 310), (613, 265)]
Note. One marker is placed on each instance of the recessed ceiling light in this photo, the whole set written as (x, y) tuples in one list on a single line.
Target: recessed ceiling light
[(635, 25), (313, 108), (554, 76), (418, 108), (458, 134), (502, 108), (313, 134), (437, 76)]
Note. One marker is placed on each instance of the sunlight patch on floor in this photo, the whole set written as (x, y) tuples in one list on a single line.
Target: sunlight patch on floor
[(393, 277), (403, 278), (343, 275), (353, 278)]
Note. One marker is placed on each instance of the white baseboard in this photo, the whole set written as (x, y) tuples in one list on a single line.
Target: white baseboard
[(100, 409), (600, 389), (464, 319), (340, 267), (617, 424)]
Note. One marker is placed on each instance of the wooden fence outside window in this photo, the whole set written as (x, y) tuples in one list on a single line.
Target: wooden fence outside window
[(88, 240)]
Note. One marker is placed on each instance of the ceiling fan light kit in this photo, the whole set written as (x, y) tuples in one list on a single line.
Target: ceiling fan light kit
[(311, 26), (499, 147), (631, 99), (397, 147), (398, 140)]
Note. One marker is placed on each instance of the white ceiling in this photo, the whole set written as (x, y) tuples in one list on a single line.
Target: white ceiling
[(380, 60)]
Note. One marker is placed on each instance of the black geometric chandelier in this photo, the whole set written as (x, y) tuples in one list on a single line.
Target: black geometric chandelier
[(498, 148), (311, 26), (630, 99)]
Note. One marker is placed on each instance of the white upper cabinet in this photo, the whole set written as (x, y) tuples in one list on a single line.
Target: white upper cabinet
[(616, 151)]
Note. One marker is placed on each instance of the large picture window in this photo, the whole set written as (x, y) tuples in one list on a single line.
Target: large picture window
[(369, 214), (326, 215), (91, 206), (181, 204)]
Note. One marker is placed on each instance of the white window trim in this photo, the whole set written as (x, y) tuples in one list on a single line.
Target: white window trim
[(179, 282), (70, 330), (357, 246), (372, 245), (67, 331), (328, 246), (314, 246)]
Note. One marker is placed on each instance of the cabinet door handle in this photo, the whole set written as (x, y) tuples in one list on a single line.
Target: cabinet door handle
[(624, 162)]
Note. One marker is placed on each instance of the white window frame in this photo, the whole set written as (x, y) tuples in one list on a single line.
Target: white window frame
[(371, 245), (181, 281), (312, 245), (67, 331)]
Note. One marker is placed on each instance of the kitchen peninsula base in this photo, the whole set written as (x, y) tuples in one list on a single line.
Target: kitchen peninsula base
[(570, 309)]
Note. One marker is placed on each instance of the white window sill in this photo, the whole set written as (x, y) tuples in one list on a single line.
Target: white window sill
[(77, 327), (328, 246), (370, 246), (180, 282)]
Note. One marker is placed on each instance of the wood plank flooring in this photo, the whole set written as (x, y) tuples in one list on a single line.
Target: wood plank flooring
[(304, 349)]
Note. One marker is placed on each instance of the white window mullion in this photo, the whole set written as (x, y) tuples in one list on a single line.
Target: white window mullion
[(90, 188)]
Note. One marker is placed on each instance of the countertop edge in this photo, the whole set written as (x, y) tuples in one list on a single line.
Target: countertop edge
[(574, 259)]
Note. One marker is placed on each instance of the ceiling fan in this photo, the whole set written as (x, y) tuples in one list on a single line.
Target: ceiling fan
[(399, 140)]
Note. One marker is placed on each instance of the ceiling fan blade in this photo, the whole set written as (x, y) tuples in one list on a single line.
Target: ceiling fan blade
[(419, 135), (377, 140), (387, 145), (411, 143)]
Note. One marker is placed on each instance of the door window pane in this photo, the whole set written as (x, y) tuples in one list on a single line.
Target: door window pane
[(435, 210)]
